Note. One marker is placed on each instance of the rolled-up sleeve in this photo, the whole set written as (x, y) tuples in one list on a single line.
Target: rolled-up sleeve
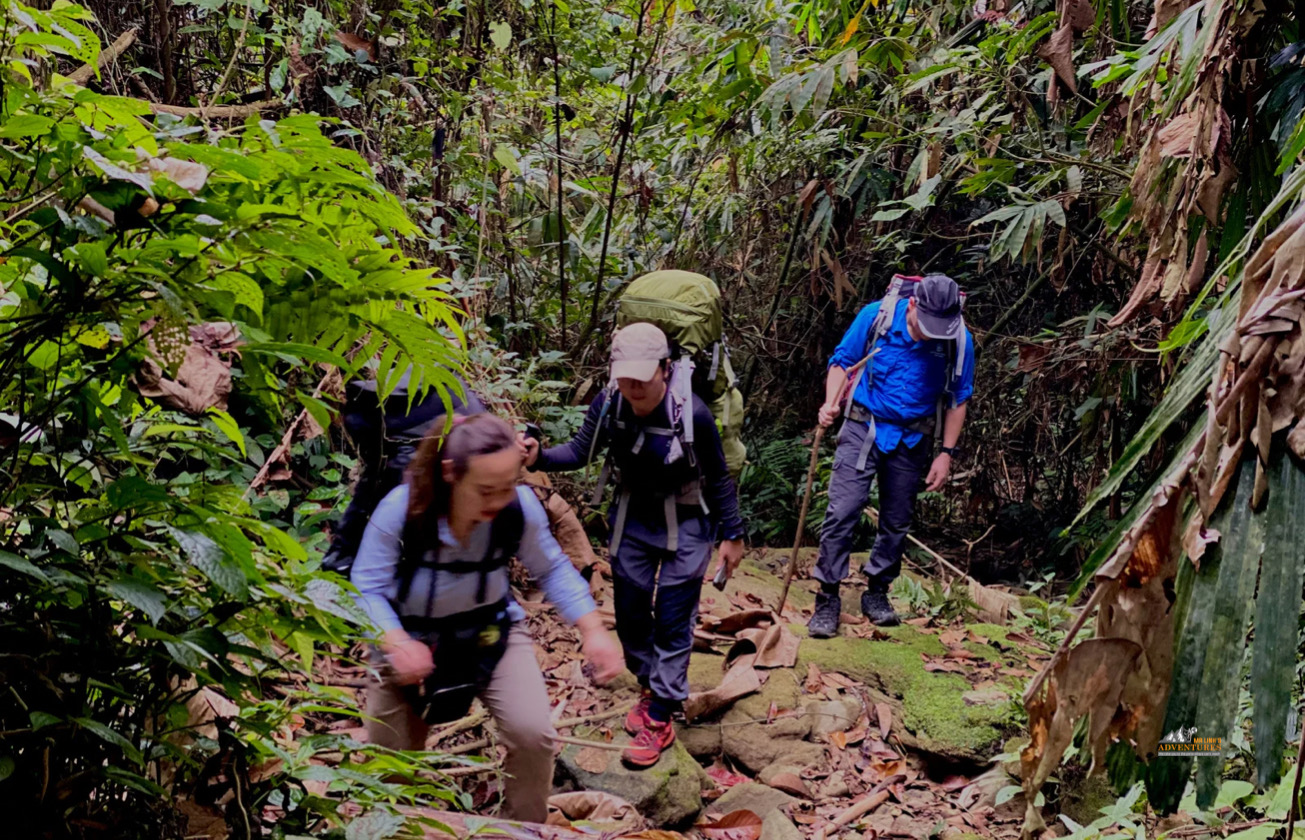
[(377, 560), (852, 348), (548, 564), (965, 388)]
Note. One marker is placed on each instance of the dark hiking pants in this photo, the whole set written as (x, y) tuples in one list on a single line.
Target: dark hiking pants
[(901, 473), (656, 595)]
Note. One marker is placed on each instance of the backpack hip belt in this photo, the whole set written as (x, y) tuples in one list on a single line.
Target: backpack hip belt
[(689, 494), (858, 413), (466, 648)]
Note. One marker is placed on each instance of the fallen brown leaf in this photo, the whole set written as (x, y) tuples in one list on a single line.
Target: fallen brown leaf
[(736, 825), (814, 683), (593, 760), (884, 714), (790, 784)]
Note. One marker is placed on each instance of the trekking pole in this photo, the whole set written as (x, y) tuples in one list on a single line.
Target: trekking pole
[(802, 517), (852, 375)]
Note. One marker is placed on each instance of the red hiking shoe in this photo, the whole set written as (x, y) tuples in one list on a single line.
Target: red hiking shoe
[(648, 746), (637, 718)]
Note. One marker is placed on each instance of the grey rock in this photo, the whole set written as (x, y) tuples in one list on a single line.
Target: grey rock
[(751, 796), (667, 794)]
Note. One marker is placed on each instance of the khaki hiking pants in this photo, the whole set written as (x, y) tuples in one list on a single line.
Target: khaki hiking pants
[(518, 700)]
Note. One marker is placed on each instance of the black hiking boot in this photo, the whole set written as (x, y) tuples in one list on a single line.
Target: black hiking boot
[(824, 621), (875, 606)]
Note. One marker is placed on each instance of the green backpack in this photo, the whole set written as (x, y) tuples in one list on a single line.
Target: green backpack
[(687, 307)]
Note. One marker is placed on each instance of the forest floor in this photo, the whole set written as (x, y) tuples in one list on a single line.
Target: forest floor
[(889, 733)]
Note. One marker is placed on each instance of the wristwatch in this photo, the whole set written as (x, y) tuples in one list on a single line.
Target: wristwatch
[(949, 450)]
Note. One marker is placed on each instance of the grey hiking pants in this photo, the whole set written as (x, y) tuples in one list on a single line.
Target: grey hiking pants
[(656, 594), (900, 475)]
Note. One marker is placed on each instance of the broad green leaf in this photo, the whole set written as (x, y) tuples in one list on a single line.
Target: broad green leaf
[(374, 825), (890, 215), (25, 125), (21, 565), (1264, 831), (302, 644), (243, 288), (134, 491), (1231, 792), (229, 427), (501, 34), (1008, 793), (207, 556), (146, 598), (506, 159), (109, 736)]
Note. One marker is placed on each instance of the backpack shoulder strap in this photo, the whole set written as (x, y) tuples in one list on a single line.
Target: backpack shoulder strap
[(412, 554), (505, 534), (878, 328)]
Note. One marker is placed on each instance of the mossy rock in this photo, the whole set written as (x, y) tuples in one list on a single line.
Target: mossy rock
[(932, 708), (705, 671), (667, 794), (1083, 797), (762, 574), (755, 744)]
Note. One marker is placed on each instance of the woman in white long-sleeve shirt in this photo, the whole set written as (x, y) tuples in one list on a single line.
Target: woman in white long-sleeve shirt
[(433, 577)]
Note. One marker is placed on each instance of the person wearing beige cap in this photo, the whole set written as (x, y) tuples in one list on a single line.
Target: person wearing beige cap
[(674, 500)]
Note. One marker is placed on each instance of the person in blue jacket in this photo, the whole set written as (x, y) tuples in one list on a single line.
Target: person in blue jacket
[(917, 382)]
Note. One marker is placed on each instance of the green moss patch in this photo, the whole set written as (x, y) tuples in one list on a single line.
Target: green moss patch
[(933, 710)]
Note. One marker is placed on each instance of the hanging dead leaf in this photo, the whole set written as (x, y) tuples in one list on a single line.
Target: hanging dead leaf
[(1058, 51), (354, 43), (1080, 15), (808, 194)]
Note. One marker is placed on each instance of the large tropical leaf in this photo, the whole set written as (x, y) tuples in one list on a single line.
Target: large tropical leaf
[(1277, 613)]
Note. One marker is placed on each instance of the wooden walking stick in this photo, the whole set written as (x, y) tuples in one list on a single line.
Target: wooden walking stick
[(802, 517), (852, 375)]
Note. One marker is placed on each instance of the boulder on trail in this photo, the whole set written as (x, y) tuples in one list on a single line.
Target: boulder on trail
[(776, 826), (751, 796), (753, 743), (667, 794)]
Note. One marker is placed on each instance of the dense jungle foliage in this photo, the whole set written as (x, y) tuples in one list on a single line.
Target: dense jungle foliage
[(212, 212)]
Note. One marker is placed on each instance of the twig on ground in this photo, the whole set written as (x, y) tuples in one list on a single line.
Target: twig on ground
[(865, 805), (471, 721), (616, 711)]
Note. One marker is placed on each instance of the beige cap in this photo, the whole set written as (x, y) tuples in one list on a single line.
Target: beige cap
[(637, 350)]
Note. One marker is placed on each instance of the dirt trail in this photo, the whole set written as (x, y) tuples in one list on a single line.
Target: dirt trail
[(877, 733)]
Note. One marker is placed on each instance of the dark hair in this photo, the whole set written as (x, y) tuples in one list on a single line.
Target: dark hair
[(480, 434)]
